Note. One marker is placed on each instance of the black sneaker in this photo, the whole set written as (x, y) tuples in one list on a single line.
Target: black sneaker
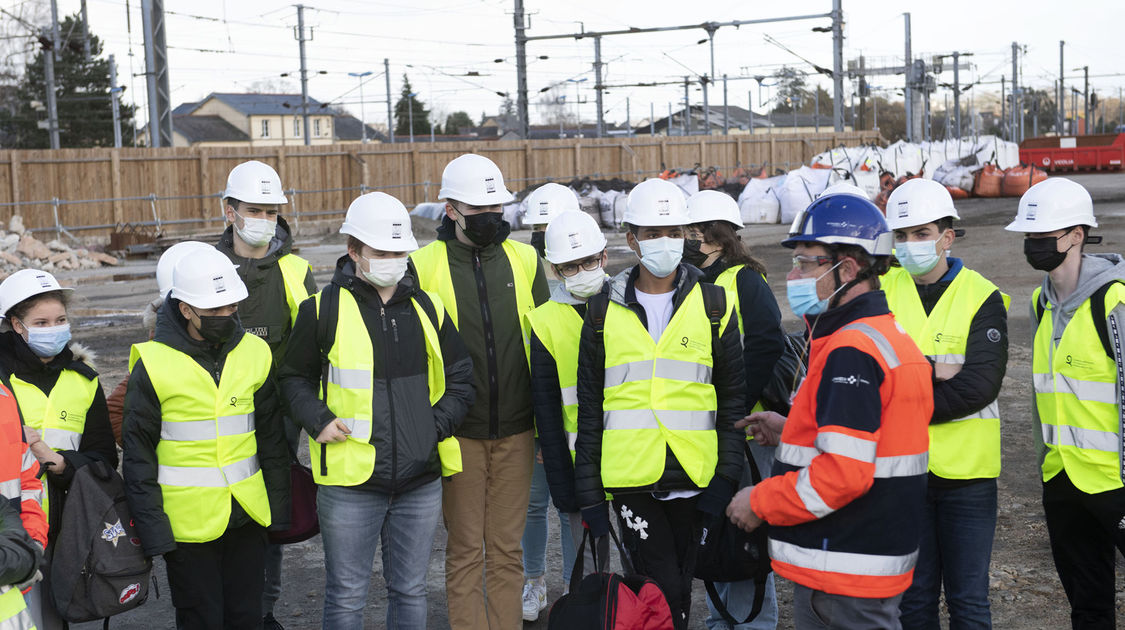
[(269, 622)]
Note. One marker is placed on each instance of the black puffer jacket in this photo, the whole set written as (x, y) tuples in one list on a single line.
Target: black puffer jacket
[(140, 433), (97, 443), (727, 377), (405, 428)]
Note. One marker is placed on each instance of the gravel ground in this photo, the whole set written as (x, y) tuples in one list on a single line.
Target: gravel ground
[(1025, 593)]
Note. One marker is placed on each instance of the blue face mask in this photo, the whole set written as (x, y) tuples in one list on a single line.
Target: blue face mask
[(803, 299), (48, 341), (917, 257)]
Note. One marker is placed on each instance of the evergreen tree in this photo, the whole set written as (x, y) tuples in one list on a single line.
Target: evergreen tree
[(456, 122), (406, 103), (82, 87)]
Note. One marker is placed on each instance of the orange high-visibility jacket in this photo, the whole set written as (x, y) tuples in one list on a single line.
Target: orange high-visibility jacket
[(850, 478), (19, 483)]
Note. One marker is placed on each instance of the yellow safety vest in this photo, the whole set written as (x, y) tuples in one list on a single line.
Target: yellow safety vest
[(728, 279), (60, 417), (350, 382), (13, 610), (208, 451), (968, 447), (1077, 399), (432, 264), (559, 327), (659, 396), (293, 272)]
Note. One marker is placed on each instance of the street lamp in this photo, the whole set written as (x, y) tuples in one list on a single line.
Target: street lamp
[(362, 116), (410, 113)]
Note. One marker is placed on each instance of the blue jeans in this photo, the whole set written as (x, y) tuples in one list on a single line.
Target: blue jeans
[(352, 523), (738, 597), (958, 525), (534, 542)]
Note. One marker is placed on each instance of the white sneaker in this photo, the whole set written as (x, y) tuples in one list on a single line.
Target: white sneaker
[(534, 597)]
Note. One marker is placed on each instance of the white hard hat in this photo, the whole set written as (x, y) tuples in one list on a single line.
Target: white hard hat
[(1053, 204), (918, 202), (843, 188), (571, 236), (168, 261), (549, 201), (656, 203), (381, 222), (712, 205), (23, 284), (254, 182), (208, 279), (475, 180)]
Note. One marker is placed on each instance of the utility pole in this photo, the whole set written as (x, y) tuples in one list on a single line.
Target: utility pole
[(114, 90), (1003, 108), (750, 109), (304, 72), (687, 106), (390, 108), (362, 115), (837, 68), (598, 87), (49, 57), (956, 93), (85, 32), (1062, 91), (156, 71), (521, 74), (909, 93), (726, 109), (628, 118), (1086, 100), (863, 90), (1016, 109), (706, 106), (652, 120)]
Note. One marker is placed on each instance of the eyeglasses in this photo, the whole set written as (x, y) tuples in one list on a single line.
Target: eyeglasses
[(808, 264), (571, 269)]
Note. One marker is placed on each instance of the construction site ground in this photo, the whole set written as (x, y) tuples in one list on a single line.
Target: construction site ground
[(1025, 592)]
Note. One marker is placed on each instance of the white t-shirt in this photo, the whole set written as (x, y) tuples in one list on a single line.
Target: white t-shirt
[(658, 308)]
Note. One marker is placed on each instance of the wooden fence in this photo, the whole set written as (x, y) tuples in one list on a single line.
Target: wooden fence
[(99, 189)]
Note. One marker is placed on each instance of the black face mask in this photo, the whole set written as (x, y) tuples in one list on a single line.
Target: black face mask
[(1043, 254), (539, 243), (691, 254), (217, 328), (482, 228)]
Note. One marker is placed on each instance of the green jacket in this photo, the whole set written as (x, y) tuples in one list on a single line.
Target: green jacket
[(266, 313), (501, 377)]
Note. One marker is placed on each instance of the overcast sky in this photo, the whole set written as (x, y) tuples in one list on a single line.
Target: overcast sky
[(234, 46)]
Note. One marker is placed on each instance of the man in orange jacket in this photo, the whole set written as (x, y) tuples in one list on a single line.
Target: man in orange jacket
[(845, 501)]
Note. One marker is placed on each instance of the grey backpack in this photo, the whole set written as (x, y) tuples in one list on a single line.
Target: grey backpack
[(98, 568)]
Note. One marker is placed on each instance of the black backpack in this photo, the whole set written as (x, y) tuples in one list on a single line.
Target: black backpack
[(98, 568)]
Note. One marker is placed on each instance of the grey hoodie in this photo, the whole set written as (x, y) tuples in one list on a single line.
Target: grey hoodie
[(1096, 271)]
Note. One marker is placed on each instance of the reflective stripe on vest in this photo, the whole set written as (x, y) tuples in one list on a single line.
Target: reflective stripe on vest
[(432, 264), (728, 279), (294, 269), (842, 562), (958, 449), (351, 376), (13, 610), (208, 452), (658, 396), (885, 467), (558, 327), (1076, 398), (60, 417)]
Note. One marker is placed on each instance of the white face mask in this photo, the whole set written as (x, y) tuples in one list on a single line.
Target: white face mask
[(585, 283), (385, 272), (917, 257), (255, 232), (662, 255)]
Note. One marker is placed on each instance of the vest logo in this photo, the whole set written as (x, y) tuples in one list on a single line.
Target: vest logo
[(234, 401), (259, 331), (575, 240), (638, 524), (489, 185), (129, 593), (220, 284), (993, 335), (689, 344), (266, 187), (1081, 364), (112, 532), (854, 379)]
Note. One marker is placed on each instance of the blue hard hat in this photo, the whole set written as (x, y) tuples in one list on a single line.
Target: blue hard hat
[(842, 220)]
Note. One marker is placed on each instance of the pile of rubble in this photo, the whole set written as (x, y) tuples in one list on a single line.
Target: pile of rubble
[(20, 250)]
